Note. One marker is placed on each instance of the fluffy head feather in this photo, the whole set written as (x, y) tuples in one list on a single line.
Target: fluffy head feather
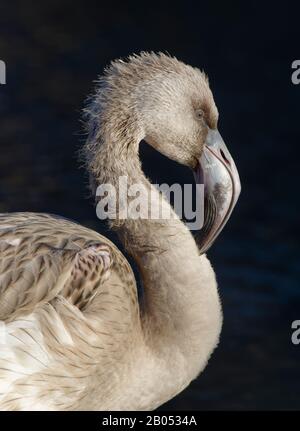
[(153, 97)]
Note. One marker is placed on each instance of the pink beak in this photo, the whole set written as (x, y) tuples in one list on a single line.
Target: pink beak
[(218, 173)]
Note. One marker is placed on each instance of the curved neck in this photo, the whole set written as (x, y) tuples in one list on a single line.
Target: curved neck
[(180, 309)]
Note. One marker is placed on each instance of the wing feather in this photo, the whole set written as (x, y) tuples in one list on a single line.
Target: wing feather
[(42, 256)]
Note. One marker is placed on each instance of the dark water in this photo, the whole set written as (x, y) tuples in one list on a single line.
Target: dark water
[(55, 50)]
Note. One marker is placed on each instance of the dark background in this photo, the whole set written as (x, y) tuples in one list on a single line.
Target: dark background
[(55, 49)]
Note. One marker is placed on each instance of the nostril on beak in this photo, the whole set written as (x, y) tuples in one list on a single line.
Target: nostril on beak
[(224, 157)]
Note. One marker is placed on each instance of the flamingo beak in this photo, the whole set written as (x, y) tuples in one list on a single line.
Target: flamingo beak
[(217, 172)]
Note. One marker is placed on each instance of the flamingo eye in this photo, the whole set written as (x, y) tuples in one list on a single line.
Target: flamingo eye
[(199, 114)]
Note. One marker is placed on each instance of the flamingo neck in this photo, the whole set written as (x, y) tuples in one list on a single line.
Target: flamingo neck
[(180, 309)]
